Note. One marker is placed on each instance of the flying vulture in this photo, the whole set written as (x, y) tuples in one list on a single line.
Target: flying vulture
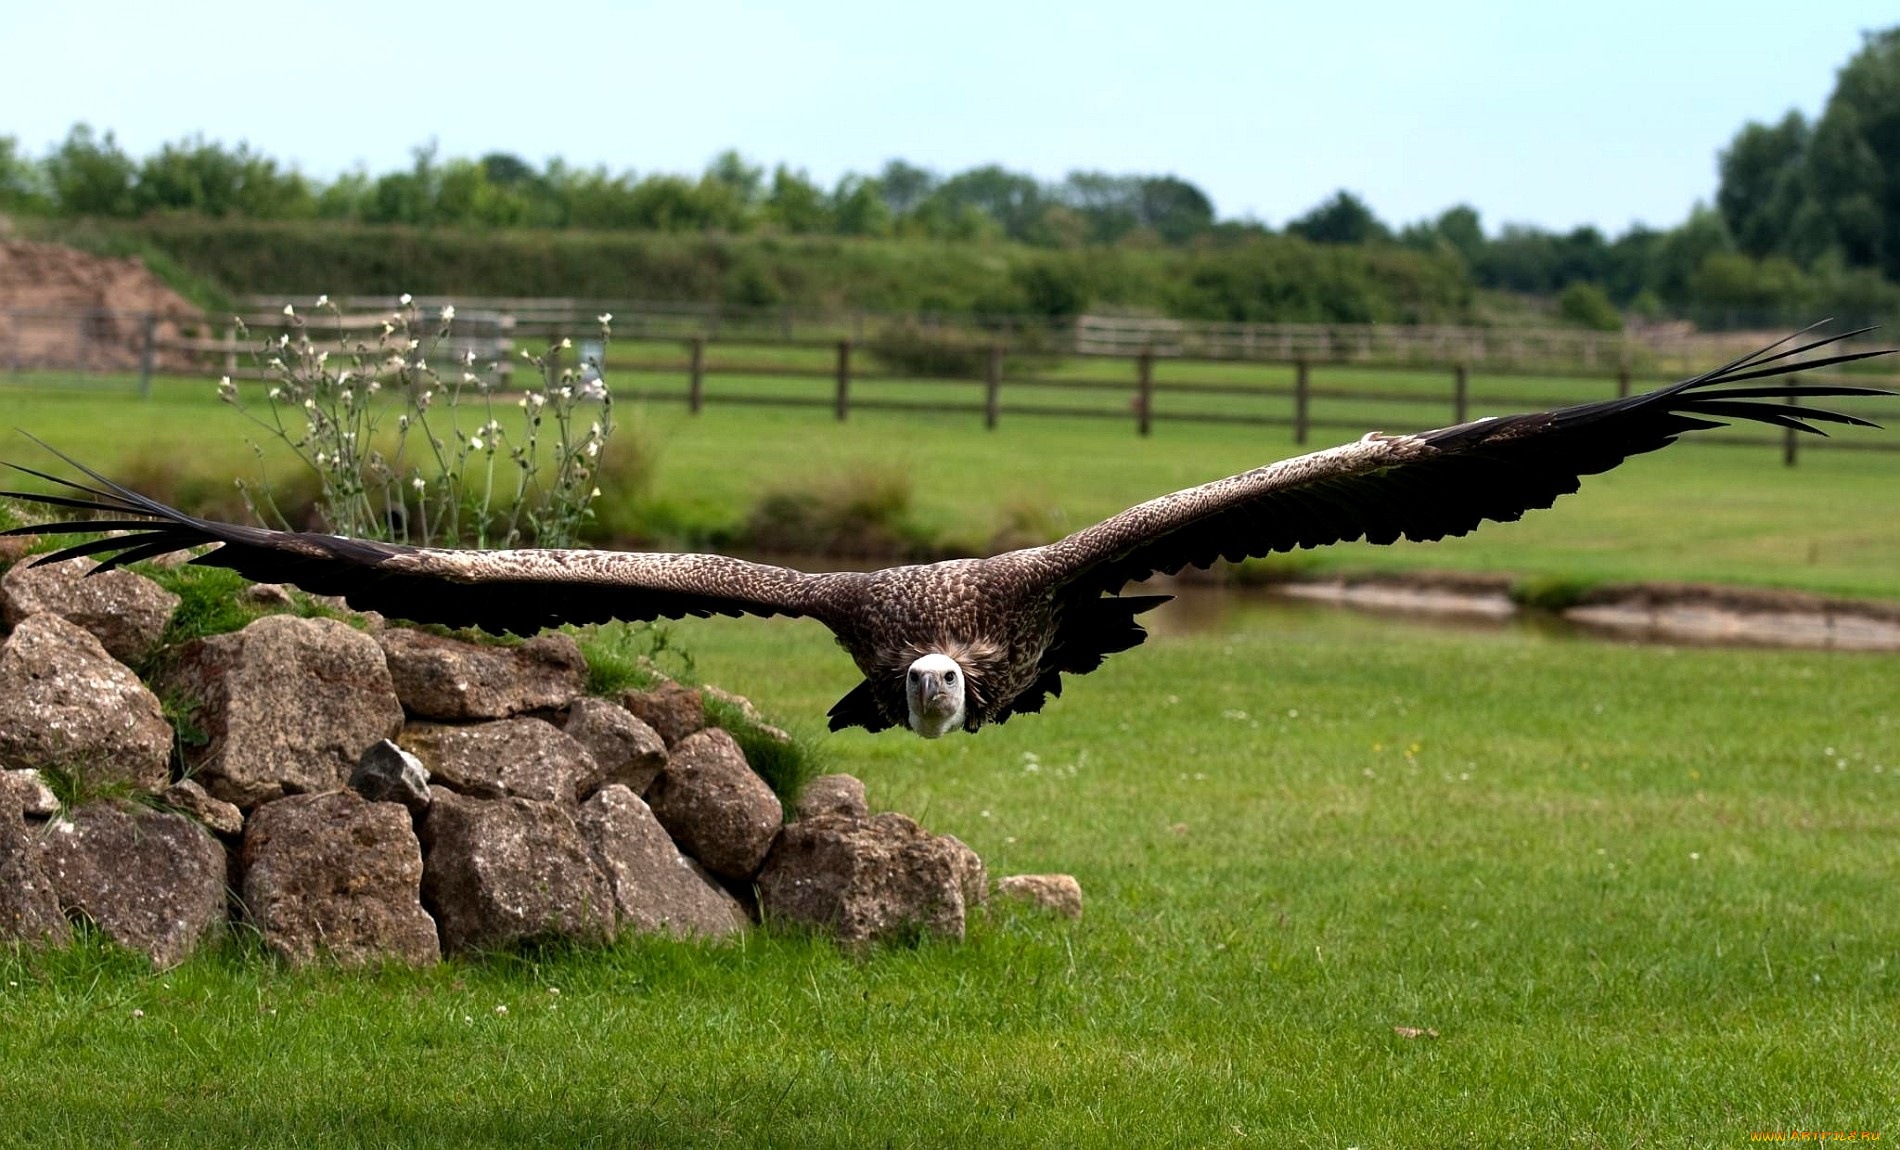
[(973, 641)]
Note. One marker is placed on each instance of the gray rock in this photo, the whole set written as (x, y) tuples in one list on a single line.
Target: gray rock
[(521, 758), (865, 880), (388, 774), (498, 871), (439, 678), (269, 595), (124, 610), (675, 712), (151, 880), (27, 792), (1056, 892), (334, 876), (656, 888), (714, 806), (29, 909), (289, 704), (69, 704), (625, 750), (187, 797), (840, 795), (972, 876)]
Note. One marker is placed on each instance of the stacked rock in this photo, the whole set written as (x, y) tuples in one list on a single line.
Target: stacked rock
[(390, 794)]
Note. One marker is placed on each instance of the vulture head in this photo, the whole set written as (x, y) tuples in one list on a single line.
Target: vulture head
[(934, 689)]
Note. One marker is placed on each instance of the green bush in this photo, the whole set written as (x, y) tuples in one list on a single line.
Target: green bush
[(910, 348), (1587, 305)]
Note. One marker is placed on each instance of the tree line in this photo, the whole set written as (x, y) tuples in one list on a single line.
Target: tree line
[(1806, 219)]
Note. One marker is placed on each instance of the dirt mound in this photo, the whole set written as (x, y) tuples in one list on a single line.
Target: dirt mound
[(62, 308)]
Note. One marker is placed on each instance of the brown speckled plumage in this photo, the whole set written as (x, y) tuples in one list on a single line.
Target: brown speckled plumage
[(1015, 622)]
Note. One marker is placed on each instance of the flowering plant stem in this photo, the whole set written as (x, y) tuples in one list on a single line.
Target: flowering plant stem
[(435, 481)]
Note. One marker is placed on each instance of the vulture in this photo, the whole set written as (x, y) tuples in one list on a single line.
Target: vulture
[(962, 643)]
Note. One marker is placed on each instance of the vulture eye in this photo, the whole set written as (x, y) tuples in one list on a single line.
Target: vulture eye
[(949, 676), (913, 676)]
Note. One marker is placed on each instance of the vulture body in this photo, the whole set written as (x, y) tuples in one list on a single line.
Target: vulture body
[(974, 641)]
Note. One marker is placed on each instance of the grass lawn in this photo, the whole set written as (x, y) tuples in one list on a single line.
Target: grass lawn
[(1643, 895)]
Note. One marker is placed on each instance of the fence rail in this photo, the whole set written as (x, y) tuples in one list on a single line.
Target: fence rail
[(1656, 348), (811, 371)]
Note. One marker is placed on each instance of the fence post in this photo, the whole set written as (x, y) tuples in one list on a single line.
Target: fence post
[(992, 387), (1622, 380), (146, 354), (1790, 441), (696, 382), (1300, 398), (844, 379), (1459, 398), (1144, 389)]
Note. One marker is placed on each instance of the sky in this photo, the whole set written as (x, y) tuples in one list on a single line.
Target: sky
[(1606, 113)]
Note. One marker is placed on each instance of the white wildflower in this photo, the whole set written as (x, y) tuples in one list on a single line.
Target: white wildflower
[(594, 494), (448, 312), (605, 317), (323, 301), (470, 377), (276, 364), (276, 392), (475, 441), (566, 342), (346, 396), (468, 358), (405, 299), (414, 344), (323, 357), (417, 483), (389, 329), (290, 311)]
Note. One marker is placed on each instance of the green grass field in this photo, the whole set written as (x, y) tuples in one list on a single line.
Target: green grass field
[(1643, 895)]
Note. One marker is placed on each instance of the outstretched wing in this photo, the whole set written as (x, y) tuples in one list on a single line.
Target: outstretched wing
[(519, 591), (1435, 483)]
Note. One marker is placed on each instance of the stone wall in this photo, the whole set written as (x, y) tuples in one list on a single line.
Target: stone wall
[(365, 793)]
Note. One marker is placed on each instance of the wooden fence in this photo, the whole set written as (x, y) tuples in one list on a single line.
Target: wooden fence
[(1144, 398), (1258, 390)]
